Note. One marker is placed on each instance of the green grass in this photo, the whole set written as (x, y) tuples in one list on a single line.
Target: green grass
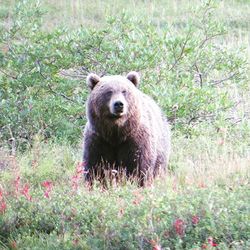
[(236, 14), (127, 218), (210, 184)]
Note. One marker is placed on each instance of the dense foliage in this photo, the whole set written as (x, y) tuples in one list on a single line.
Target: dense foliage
[(42, 78), (61, 213), (87, 220)]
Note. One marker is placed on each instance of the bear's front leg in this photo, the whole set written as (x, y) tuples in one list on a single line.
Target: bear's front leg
[(97, 156), (138, 159)]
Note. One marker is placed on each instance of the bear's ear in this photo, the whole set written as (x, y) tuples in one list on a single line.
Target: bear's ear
[(92, 80), (133, 77)]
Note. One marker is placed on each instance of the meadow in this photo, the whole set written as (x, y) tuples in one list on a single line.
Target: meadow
[(193, 57)]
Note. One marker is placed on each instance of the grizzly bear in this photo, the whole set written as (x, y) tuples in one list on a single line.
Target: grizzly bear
[(125, 129)]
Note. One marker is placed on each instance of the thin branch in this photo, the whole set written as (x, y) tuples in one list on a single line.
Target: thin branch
[(199, 75), (62, 95), (40, 69), (50, 88), (85, 69), (217, 82), (182, 51), (76, 76), (208, 38), (13, 77)]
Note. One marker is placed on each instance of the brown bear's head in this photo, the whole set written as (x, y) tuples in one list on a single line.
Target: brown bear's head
[(112, 97)]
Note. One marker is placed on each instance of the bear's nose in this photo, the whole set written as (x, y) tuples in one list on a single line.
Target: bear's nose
[(118, 106)]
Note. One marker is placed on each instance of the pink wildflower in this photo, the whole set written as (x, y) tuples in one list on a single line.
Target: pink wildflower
[(78, 175), (1, 194), (80, 168), (155, 245), (195, 219), (202, 185), (211, 242), (179, 227), (76, 242), (3, 206), (48, 185), (25, 192), (17, 183), (75, 181), (13, 245)]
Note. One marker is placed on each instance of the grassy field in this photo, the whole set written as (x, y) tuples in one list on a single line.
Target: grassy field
[(202, 203)]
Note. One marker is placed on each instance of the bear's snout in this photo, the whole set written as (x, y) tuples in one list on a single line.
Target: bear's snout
[(118, 107)]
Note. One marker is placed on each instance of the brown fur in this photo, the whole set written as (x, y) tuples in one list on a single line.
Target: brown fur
[(138, 141)]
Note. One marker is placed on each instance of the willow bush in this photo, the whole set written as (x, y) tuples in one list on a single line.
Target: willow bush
[(185, 67)]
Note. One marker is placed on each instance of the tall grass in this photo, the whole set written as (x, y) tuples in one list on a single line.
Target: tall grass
[(202, 204)]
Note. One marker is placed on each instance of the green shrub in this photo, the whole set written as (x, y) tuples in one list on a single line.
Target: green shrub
[(183, 68), (126, 218), (49, 206)]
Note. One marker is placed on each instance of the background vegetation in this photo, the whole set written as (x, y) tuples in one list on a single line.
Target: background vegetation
[(193, 57)]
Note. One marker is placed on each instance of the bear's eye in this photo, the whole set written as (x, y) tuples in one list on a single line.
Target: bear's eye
[(110, 92), (124, 91)]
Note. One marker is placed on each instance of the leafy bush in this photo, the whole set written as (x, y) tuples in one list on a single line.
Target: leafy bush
[(183, 69), (44, 203)]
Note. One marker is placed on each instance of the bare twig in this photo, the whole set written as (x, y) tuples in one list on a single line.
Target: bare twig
[(199, 75), (208, 38), (85, 69), (13, 77), (40, 69), (62, 95), (182, 51), (50, 88), (217, 82), (72, 75)]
